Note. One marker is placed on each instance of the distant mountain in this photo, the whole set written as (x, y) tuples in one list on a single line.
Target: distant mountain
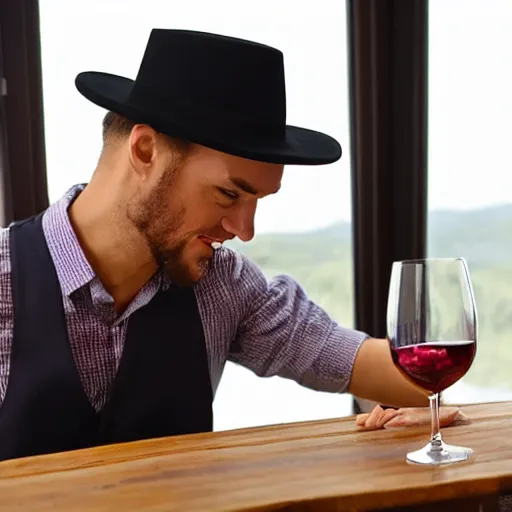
[(481, 236)]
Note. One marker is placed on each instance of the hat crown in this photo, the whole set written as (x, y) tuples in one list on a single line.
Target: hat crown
[(218, 73)]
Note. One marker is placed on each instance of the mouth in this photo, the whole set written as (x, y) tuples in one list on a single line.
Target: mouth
[(212, 243)]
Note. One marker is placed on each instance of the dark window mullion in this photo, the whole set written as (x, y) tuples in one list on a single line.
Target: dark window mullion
[(25, 156), (388, 105)]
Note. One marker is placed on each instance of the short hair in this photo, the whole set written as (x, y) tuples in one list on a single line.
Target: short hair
[(116, 126)]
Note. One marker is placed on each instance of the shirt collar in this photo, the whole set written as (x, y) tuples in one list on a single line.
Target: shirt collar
[(73, 269)]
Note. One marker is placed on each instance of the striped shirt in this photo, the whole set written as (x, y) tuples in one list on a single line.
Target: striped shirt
[(267, 326)]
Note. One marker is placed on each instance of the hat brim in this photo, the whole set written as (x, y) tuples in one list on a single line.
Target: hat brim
[(300, 146)]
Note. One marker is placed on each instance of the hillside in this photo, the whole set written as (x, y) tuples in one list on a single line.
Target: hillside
[(483, 237)]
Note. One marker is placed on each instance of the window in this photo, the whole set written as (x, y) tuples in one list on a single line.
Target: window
[(3, 151), (470, 188), (305, 229)]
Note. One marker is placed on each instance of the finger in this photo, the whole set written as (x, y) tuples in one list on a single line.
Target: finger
[(386, 416), (399, 421), (373, 418), (447, 415), (415, 416), (461, 419), (361, 419)]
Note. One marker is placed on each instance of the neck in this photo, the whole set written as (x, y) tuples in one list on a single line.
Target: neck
[(114, 248)]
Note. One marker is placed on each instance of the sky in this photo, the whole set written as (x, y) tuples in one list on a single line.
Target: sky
[(469, 112)]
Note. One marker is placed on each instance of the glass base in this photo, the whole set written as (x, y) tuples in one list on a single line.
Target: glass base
[(442, 454)]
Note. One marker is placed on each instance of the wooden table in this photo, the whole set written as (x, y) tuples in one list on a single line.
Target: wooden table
[(320, 465)]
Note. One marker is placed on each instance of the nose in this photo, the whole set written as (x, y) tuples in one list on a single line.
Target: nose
[(240, 221)]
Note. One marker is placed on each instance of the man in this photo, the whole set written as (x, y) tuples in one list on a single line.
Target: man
[(119, 306)]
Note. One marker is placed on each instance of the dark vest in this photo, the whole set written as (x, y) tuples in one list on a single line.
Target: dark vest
[(162, 386)]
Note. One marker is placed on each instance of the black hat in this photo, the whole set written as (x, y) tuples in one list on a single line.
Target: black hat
[(221, 92)]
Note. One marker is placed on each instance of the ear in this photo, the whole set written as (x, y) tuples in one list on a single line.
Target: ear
[(142, 147)]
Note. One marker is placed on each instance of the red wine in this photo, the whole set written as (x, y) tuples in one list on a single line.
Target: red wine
[(437, 365)]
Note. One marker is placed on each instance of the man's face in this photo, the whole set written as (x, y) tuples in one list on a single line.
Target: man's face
[(209, 197)]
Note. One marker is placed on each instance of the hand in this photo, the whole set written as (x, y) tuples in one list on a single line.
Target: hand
[(408, 417)]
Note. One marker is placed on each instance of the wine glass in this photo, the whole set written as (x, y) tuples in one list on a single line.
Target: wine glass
[(432, 325)]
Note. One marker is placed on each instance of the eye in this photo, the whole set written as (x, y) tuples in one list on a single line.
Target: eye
[(231, 194)]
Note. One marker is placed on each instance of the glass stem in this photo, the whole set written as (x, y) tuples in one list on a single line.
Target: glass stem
[(436, 442)]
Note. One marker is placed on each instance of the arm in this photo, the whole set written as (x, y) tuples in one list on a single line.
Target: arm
[(375, 377), (283, 333)]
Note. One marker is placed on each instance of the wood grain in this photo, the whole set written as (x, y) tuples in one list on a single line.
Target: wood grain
[(321, 465)]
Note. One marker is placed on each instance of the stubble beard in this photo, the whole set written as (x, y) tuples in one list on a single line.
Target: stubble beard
[(157, 224)]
